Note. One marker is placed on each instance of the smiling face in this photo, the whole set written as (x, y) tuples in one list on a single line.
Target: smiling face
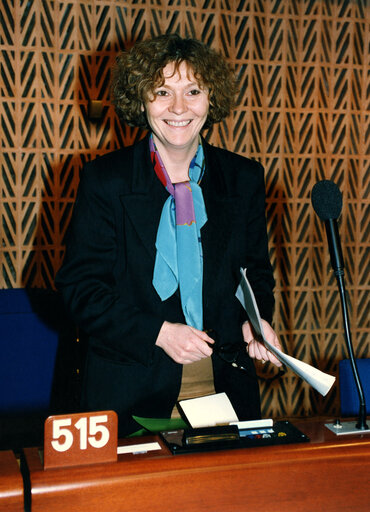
[(177, 110)]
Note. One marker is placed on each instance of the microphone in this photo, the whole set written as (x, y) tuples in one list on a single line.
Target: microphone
[(327, 202)]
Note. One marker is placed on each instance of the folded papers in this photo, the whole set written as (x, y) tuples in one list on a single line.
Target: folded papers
[(319, 380)]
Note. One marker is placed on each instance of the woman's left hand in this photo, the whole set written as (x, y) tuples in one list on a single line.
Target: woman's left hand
[(257, 349)]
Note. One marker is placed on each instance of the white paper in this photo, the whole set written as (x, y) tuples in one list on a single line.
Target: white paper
[(319, 380), (208, 411), (249, 424), (138, 448)]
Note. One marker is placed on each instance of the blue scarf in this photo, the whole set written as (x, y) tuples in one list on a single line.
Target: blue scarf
[(179, 258)]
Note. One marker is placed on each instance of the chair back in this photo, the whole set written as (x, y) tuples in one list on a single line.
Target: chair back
[(28, 343), (349, 402)]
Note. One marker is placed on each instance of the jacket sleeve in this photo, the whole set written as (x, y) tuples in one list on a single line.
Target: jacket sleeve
[(259, 269), (88, 283)]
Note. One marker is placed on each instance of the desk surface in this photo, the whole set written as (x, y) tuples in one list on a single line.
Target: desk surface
[(329, 473), (11, 483)]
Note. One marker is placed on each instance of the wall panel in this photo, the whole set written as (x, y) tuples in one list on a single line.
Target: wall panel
[(303, 67)]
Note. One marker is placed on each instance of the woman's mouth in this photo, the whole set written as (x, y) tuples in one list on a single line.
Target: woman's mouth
[(177, 124)]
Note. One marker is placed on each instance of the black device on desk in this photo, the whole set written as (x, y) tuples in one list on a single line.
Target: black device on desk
[(231, 437)]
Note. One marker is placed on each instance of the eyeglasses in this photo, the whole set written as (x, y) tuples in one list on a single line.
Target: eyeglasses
[(231, 356), (234, 356), (228, 354)]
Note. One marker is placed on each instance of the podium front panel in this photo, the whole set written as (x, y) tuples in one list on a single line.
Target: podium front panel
[(11, 483), (326, 474)]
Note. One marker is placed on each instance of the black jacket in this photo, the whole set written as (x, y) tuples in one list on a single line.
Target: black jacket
[(106, 278)]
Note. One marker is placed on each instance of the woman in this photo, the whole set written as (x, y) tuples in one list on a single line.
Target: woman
[(158, 234)]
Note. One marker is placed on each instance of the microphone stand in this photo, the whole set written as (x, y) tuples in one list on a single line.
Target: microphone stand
[(348, 427)]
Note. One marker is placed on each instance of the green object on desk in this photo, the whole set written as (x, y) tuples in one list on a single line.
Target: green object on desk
[(155, 425), (139, 433)]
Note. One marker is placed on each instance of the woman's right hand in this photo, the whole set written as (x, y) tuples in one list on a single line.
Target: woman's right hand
[(183, 343)]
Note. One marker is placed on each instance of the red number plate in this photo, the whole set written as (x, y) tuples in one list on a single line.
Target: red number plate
[(78, 439)]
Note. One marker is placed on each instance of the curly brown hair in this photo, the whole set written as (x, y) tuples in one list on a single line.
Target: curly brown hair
[(139, 71)]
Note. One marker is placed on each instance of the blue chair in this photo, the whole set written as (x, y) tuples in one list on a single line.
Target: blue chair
[(349, 403), (34, 335), (28, 352)]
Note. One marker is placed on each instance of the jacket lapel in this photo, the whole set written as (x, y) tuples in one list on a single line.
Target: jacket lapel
[(144, 201), (220, 204)]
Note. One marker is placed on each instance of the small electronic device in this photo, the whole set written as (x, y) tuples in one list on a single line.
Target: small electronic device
[(196, 436), (230, 436)]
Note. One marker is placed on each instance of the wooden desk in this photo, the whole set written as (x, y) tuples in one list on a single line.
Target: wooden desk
[(11, 483), (328, 474)]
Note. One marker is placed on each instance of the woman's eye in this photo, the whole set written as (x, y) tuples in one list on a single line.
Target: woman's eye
[(194, 92), (161, 93)]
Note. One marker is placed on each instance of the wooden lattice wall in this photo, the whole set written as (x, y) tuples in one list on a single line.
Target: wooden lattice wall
[(304, 113)]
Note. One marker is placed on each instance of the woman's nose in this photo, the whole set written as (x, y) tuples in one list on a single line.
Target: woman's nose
[(178, 104)]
